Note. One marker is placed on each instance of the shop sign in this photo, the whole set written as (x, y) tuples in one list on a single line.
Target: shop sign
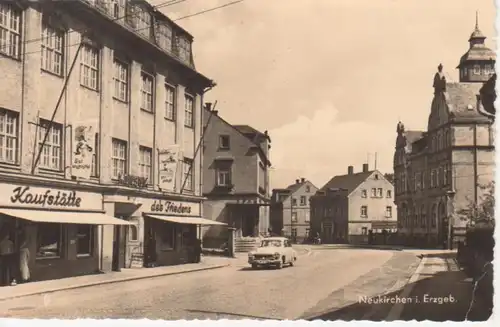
[(49, 198), (83, 145), (133, 181), (167, 169), (175, 207)]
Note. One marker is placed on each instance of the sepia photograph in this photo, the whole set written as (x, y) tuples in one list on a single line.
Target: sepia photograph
[(313, 160)]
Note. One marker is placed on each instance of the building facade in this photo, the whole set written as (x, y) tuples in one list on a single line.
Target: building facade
[(235, 178), (290, 210), (92, 98), (440, 172), (352, 206)]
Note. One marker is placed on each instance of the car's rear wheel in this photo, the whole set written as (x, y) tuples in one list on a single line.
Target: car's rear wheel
[(254, 266), (280, 264)]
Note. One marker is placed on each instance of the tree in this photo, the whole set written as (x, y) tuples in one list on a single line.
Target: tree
[(484, 211), (389, 177)]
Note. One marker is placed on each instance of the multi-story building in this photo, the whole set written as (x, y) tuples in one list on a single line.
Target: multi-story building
[(349, 206), (94, 94), (235, 178), (290, 210), (439, 172)]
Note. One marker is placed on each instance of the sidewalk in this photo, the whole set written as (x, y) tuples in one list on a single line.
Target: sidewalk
[(49, 286), (438, 291)]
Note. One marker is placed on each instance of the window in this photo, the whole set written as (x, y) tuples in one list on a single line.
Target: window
[(224, 142), (307, 218), (119, 158), (10, 30), (49, 239), (143, 18), (95, 158), (376, 176), (303, 200), (308, 189), (184, 49), (445, 175), (364, 211), (84, 240), (434, 215), (374, 192), (188, 111), (8, 136), (147, 91), (423, 214), (52, 49), (223, 176), (145, 159), (89, 67), (294, 201), (51, 151), (187, 169), (379, 192), (118, 8), (164, 36), (167, 236), (388, 194), (363, 194), (477, 70), (364, 231), (294, 216), (120, 78), (488, 70), (294, 232), (132, 233), (388, 212), (433, 178), (308, 232), (170, 102)]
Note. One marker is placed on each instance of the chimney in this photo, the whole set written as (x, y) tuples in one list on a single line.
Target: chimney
[(297, 181), (208, 106), (302, 180), (350, 170), (365, 168)]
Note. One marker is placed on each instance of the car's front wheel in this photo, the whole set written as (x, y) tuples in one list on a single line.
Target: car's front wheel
[(254, 266)]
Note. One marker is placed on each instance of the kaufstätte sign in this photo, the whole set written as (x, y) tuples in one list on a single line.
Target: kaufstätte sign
[(48, 198)]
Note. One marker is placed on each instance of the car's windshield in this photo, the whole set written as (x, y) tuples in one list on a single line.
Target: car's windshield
[(268, 243)]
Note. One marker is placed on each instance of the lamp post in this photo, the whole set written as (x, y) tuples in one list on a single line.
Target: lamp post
[(450, 214)]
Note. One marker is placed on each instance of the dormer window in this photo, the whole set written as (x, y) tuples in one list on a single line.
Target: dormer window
[(487, 70), (477, 69)]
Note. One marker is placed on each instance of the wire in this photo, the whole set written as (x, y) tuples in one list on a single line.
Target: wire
[(161, 5), (209, 10), (148, 26)]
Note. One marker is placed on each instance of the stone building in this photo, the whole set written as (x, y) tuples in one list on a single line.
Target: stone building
[(290, 210), (91, 96), (235, 179), (439, 172), (349, 206)]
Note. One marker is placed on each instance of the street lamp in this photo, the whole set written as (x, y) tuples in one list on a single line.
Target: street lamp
[(450, 208)]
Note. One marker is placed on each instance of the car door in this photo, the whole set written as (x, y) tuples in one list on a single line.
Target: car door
[(287, 249)]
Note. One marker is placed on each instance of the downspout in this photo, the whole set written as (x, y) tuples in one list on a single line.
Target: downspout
[(201, 156)]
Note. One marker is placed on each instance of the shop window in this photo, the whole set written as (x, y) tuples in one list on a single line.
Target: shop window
[(132, 233), (167, 236), (294, 232), (84, 240), (49, 239), (364, 231)]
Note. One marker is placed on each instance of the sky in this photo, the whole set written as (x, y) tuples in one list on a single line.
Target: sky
[(329, 79)]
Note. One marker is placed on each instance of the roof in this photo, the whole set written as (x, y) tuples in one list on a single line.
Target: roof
[(246, 129), (478, 52), (461, 98), (348, 182), (412, 136)]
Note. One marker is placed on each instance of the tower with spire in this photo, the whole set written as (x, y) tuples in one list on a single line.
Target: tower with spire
[(477, 65)]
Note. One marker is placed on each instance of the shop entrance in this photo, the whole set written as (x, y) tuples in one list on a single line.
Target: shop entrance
[(119, 248)]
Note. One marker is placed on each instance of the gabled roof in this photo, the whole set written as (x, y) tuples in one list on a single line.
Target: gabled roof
[(253, 144), (412, 136), (461, 99), (249, 130), (348, 182)]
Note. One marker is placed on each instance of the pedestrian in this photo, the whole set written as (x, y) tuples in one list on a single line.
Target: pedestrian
[(197, 250), (6, 256), (24, 258)]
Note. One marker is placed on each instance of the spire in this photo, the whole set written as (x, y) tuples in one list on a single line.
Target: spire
[(477, 36), (477, 19)]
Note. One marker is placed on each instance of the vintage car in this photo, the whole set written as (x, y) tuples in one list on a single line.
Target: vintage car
[(273, 251)]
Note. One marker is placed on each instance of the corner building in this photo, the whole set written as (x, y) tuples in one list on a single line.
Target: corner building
[(440, 172), (124, 73)]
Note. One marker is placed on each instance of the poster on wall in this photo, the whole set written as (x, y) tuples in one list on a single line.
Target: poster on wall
[(168, 162), (83, 151)]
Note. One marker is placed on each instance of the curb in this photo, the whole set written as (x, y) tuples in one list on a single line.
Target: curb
[(119, 280)]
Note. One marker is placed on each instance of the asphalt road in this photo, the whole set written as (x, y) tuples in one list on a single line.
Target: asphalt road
[(318, 286)]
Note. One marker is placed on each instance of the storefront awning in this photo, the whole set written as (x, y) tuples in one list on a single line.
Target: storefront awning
[(188, 220), (63, 217)]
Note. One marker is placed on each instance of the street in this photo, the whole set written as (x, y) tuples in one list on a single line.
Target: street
[(323, 281)]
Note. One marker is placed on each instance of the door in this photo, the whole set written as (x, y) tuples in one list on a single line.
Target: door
[(119, 248)]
